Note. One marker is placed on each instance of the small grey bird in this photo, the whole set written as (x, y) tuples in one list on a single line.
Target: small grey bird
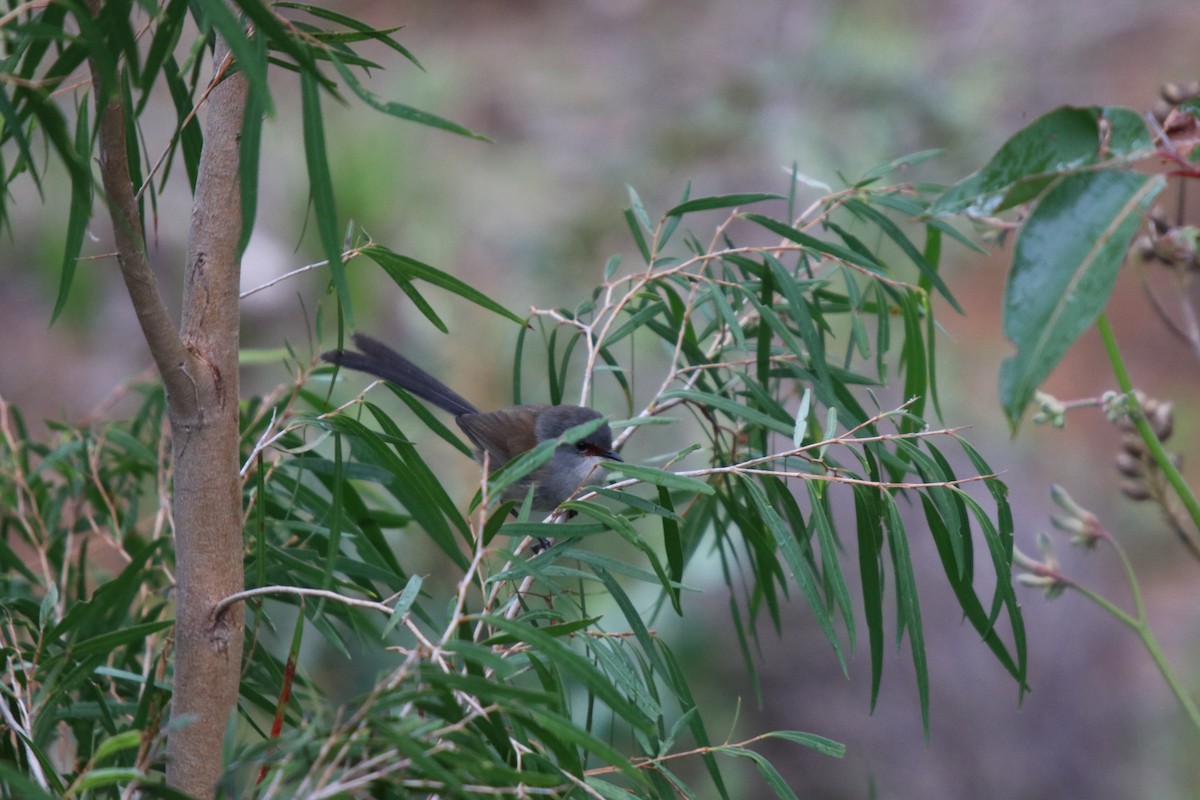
[(503, 434)]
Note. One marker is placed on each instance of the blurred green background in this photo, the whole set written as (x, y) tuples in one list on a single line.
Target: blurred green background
[(580, 100)]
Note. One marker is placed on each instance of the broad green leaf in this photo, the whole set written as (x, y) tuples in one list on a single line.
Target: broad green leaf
[(1063, 140), (1127, 132), (1064, 267)]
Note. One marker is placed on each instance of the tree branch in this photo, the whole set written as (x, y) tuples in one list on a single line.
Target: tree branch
[(159, 330)]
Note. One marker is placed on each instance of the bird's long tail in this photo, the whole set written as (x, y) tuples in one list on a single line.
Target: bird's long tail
[(382, 361)]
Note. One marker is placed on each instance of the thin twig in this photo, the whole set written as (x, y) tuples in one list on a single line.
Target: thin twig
[(302, 591)]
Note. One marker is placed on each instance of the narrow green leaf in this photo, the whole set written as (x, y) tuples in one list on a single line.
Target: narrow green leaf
[(638, 238), (411, 481), (47, 614), (908, 608), (403, 268), (78, 216), (610, 267), (789, 547), (802, 417), (13, 127), (107, 642), (659, 477), (636, 623), (672, 537), (631, 500), (826, 747), (868, 517), (639, 210), (829, 432), (321, 189), (720, 201), (733, 408), (420, 302), (250, 59), (893, 232), (268, 28), (636, 321), (189, 137), (831, 564), (910, 160), (623, 527), (105, 776), (124, 740), (249, 149), (1064, 267), (18, 781), (766, 769), (167, 29), (676, 678), (400, 110), (380, 35), (829, 249), (577, 666), (412, 590)]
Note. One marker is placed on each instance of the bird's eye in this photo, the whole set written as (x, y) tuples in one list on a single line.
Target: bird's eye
[(582, 447)]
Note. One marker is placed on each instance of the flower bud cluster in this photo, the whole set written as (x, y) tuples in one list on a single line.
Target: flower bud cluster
[(1143, 479)]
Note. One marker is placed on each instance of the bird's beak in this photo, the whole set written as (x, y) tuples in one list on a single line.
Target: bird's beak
[(611, 455)]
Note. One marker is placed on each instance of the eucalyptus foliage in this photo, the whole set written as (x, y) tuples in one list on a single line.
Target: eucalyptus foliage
[(791, 349)]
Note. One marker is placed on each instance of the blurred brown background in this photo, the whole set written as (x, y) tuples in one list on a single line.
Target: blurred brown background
[(583, 98)]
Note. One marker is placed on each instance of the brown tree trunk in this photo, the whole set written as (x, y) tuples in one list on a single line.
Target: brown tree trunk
[(200, 372), (207, 494)]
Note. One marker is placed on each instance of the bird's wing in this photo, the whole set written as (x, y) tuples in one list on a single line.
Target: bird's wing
[(503, 434)]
